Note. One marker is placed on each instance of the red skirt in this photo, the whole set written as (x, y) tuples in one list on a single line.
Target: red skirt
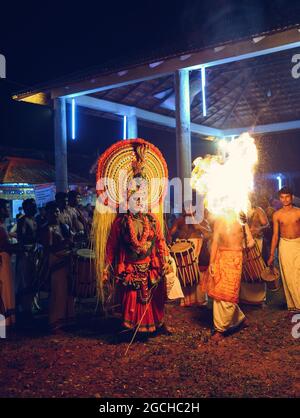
[(148, 317)]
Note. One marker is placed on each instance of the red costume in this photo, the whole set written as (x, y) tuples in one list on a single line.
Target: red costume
[(129, 245), (137, 266)]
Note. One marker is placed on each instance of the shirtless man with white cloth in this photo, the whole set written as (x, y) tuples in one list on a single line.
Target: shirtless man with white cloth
[(286, 230), (223, 281)]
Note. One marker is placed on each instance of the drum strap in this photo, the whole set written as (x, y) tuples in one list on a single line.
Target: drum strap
[(245, 237)]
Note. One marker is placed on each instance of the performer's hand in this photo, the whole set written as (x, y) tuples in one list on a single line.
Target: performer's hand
[(166, 269), (271, 261), (105, 275), (243, 217), (211, 269)]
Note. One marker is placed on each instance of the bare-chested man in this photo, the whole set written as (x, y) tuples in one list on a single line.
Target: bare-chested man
[(286, 230), (225, 270), (195, 232)]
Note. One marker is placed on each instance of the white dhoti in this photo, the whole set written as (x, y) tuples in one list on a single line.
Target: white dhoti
[(289, 260), (173, 287), (254, 293), (7, 294), (227, 315), (193, 295)]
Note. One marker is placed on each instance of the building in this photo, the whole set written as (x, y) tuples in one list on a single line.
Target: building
[(24, 178)]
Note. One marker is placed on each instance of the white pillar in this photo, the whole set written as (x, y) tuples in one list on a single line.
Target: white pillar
[(60, 142), (183, 128), (132, 129)]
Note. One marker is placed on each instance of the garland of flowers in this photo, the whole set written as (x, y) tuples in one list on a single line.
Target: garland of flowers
[(139, 244)]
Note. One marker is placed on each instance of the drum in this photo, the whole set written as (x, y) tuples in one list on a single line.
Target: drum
[(274, 285), (271, 276), (84, 284), (253, 264), (186, 262)]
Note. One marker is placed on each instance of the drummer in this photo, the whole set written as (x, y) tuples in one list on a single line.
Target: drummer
[(81, 224), (55, 239), (66, 216), (255, 293), (193, 232)]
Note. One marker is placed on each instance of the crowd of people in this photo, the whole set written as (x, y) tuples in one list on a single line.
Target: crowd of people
[(138, 257), (221, 257), (43, 242)]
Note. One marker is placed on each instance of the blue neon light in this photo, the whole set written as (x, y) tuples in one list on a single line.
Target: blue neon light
[(73, 119), (124, 127), (203, 83), (279, 179)]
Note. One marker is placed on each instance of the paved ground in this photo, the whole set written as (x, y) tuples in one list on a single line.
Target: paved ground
[(87, 361)]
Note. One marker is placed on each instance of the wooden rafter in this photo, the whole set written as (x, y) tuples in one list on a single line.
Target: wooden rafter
[(218, 100), (158, 86), (212, 104), (243, 88)]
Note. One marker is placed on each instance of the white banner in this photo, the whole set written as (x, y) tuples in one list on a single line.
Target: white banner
[(44, 193)]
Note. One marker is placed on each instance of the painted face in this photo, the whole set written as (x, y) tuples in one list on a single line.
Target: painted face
[(286, 199), (137, 196), (137, 203)]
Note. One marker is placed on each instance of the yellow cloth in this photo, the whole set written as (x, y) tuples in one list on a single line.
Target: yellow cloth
[(226, 282), (289, 259), (254, 293), (226, 315), (6, 288)]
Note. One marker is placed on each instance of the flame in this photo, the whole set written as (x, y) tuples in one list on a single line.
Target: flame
[(226, 180)]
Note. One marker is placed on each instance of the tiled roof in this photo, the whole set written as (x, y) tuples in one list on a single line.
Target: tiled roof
[(31, 171)]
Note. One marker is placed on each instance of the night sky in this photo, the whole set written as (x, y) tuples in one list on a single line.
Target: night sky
[(45, 41)]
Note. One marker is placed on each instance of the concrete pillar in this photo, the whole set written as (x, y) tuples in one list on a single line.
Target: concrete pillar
[(183, 128), (60, 142), (132, 128)]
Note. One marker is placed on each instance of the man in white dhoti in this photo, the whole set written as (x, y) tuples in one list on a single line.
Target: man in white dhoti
[(7, 297), (286, 230)]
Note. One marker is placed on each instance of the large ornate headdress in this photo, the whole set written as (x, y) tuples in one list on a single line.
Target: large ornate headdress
[(117, 167)]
